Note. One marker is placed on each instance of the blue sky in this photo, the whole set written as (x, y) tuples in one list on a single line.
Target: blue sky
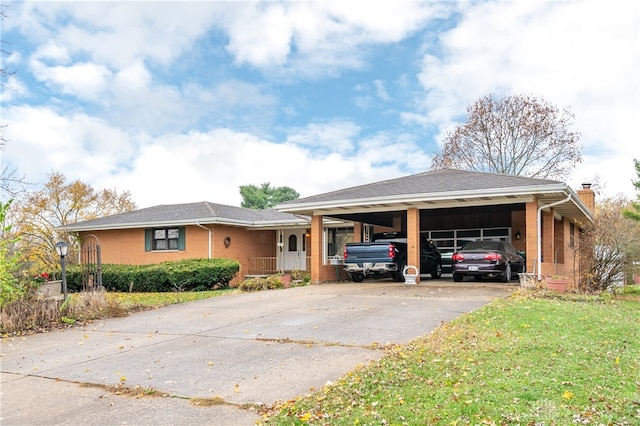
[(186, 101)]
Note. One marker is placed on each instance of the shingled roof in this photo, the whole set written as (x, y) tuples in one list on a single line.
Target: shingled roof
[(434, 189), (433, 182), (438, 189), (190, 214)]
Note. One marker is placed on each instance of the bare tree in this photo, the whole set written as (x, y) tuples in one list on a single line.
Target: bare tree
[(516, 135), (609, 246)]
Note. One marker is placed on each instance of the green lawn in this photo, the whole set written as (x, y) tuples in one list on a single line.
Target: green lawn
[(139, 301), (519, 361)]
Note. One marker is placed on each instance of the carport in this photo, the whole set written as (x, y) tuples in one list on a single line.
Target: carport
[(539, 216)]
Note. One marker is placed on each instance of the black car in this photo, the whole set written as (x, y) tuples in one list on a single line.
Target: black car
[(487, 259)]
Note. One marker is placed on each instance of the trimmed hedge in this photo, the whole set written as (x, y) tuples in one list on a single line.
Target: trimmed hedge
[(183, 275)]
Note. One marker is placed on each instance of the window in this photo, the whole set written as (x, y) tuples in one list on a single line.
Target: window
[(572, 235), (159, 239), (336, 240), (293, 242)]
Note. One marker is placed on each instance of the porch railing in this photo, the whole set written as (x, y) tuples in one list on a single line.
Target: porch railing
[(269, 265)]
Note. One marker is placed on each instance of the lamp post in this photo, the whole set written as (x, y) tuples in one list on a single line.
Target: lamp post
[(61, 249)]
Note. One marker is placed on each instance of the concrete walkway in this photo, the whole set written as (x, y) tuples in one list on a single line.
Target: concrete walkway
[(251, 349)]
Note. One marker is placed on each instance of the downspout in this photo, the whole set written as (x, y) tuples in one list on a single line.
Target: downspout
[(209, 230), (540, 230)]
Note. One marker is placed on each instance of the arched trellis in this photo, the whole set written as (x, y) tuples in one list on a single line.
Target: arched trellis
[(91, 264)]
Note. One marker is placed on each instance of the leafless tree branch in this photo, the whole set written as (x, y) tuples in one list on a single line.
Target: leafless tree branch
[(516, 135)]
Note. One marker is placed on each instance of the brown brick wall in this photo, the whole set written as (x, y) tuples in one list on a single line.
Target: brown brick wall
[(126, 246)]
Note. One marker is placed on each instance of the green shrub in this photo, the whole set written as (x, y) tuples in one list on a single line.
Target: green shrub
[(187, 275), (259, 284), (303, 276)]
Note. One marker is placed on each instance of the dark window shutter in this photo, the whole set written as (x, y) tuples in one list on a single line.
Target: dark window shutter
[(181, 238), (148, 239)]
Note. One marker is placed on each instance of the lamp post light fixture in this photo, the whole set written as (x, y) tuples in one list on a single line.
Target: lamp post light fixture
[(62, 248)]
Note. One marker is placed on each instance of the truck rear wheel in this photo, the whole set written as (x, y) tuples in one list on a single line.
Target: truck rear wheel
[(356, 277), (397, 276)]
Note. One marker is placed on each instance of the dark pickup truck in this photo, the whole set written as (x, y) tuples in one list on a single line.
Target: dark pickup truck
[(386, 255)]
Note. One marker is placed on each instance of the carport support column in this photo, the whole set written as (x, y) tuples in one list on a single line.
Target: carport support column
[(413, 238), (531, 236), (548, 244), (316, 249), (357, 232)]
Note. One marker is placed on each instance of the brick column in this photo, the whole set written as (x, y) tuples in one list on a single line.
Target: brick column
[(316, 249), (357, 232), (531, 235), (548, 243), (413, 238)]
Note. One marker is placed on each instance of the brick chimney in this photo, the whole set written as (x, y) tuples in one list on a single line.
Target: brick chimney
[(588, 197)]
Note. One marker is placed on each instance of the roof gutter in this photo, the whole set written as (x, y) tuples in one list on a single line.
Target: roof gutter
[(209, 230), (546, 206)]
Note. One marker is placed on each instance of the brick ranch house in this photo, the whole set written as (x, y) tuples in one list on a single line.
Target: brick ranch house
[(262, 241), (539, 216)]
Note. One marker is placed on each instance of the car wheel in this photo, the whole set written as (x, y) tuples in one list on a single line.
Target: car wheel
[(507, 273), (438, 272), (356, 277), (457, 277)]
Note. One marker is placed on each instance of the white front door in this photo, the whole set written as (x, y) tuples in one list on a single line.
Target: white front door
[(294, 250)]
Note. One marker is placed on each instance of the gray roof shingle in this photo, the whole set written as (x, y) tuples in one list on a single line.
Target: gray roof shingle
[(202, 212), (432, 182)]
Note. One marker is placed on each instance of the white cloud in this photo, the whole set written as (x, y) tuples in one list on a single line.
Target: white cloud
[(315, 38), (52, 51), (134, 76), (82, 147), (212, 166), (197, 166), (116, 33), (582, 55), (338, 137), (11, 89), (83, 80), (266, 41), (381, 90)]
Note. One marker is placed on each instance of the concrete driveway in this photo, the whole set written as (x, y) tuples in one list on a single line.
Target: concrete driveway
[(251, 349)]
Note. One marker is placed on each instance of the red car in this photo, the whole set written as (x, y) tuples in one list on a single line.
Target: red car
[(487, 259)]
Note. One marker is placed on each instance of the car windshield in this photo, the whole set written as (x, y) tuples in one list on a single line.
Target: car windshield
[(483, 245)]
